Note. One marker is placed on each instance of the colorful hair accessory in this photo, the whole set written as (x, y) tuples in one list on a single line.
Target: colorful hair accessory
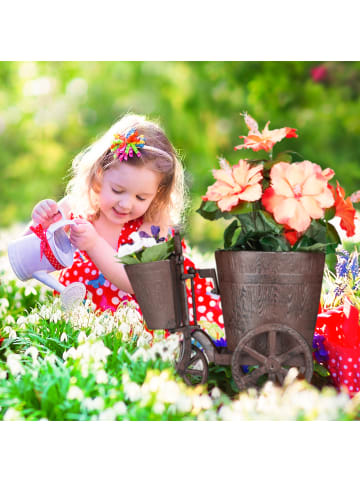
[(124, 146)]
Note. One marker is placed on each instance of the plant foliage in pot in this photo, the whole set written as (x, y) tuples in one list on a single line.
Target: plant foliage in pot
[(271, 267)]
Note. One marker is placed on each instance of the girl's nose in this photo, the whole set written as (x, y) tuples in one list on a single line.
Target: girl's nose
[(125, 204)]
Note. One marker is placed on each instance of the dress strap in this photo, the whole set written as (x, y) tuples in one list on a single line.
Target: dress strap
[(128, 228)]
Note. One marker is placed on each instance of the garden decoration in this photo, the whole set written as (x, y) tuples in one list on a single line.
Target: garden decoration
[(38, 254), (160, 289), (269, 274), (271, 268)]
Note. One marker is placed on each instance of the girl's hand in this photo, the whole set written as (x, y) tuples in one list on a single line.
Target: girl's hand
[(46, 212), (83, 235)]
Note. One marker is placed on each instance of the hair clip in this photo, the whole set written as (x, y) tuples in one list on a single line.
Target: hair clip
[(124, 146)]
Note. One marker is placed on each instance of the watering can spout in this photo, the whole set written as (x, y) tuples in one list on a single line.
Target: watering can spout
[(48, 280)]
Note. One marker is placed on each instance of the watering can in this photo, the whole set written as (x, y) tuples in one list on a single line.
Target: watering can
[(38, 254)]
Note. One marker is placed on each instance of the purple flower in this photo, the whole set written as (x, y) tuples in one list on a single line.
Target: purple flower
[(320, 352), (155, 230)]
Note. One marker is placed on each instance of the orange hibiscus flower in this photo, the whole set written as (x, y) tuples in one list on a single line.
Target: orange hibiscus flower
[(266, 139), (344, 210), (235, 184), (299, 192)]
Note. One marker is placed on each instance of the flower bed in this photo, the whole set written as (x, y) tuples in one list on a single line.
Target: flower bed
[(83, 365)]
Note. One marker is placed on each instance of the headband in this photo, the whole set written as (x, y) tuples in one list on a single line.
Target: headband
[(130, 144)]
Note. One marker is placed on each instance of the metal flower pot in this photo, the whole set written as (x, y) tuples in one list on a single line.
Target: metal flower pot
[(260, 288), (155, 287)]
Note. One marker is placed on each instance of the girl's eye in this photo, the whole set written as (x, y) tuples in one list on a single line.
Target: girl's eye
[(141, 198), (116, 192)]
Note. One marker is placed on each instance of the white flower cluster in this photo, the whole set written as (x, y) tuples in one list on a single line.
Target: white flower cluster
[(92, 354), (163, 393), (296, 399), (138, 244), (167, 349)]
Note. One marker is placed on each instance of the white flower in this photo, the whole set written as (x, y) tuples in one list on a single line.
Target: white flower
[(120, 408), (102, 377), (12, 414), (133, 391), (3, 374), (75, 393), (10, 332), (4, 305), (96, 403), (34, 353), (30, 290), (14, 365), (82, 337), (63, 337)]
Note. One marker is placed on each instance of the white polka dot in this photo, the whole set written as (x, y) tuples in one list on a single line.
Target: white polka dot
[(212, 303), (340, 372), (113, 287), (99, 291), (94, 271), (210, 315), (202, 309), (201, 299), (107, 283), (190, 300), (345, 366), (346, 381), (115, 300), (350, 359), (86, 282), (351, 388), (87, 270), (332, 360), (221, 319), (75, 273), (90, 264), (80, 278), (67, 282), (199, 287)]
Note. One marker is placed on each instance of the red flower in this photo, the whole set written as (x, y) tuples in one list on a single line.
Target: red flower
[(291, 235), (319, 73), (1, 340), (344, 210)]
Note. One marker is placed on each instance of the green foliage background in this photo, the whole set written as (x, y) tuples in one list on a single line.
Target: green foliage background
[(49, 111)]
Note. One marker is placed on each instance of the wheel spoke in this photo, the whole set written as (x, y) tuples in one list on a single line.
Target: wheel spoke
[(254, 375), (293, 351), (195, 358), (255, 354), (272, 342), (193, 371)]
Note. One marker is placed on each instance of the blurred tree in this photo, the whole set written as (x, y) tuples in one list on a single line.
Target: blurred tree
[(49, 111)]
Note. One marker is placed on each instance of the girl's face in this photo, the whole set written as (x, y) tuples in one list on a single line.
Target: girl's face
[(127, 192)]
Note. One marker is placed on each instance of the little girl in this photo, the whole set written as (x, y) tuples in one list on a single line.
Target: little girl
[(129, 179)]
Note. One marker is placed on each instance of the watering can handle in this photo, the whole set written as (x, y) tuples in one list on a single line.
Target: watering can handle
[(60, 224)]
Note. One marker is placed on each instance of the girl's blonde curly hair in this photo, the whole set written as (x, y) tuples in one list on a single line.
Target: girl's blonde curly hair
[(158, 154)]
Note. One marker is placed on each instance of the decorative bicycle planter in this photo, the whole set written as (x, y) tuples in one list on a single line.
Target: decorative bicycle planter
[(269, 300)]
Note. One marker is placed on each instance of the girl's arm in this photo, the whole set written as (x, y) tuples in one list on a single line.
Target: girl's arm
[(46, 212), (84, 236)]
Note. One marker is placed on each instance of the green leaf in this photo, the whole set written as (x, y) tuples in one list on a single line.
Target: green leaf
[(283, 157), (242, 208), (229, 233), (209, 210), (158, 252), (270, 223), (129, 259)]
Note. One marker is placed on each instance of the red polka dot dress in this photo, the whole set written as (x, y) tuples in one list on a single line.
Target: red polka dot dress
[(106, 295)]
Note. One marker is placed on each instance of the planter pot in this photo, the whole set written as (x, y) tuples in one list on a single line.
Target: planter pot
[(154, 285), (260, 288)]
